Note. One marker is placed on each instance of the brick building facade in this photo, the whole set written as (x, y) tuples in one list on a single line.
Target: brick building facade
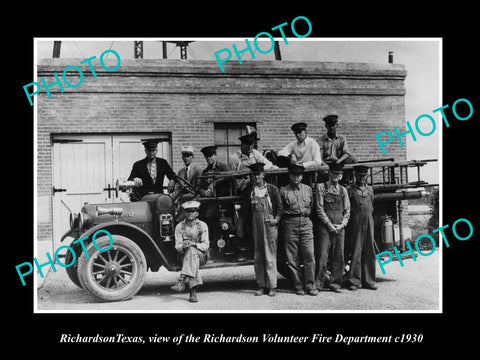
[(188, 99)]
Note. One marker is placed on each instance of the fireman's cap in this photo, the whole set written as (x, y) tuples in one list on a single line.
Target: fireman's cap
[(330, 119), (191, 205), (296, 169), (335, 168), (150, 144), (209, 150), (248, 139), (257, 167), (298, 127), (361, 169), (187, 150)]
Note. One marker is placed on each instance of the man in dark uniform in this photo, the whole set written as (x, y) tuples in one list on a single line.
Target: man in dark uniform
[(206, 185), (297, 200), (360, 232), (148, 174), (333, 211)]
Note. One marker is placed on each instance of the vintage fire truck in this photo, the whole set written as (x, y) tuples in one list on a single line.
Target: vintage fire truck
[(143, 231)]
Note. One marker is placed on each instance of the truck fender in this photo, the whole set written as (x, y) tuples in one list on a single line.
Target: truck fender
[(150, 249)]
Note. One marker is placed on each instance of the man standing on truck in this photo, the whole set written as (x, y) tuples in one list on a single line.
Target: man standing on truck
[(149, 173)]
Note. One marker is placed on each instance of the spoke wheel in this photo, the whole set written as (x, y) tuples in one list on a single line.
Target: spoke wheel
[(113, 275)]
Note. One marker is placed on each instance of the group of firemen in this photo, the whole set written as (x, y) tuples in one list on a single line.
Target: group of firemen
[(315, 226)]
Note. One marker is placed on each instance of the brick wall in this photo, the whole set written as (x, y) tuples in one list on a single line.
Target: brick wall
[(186, 98)]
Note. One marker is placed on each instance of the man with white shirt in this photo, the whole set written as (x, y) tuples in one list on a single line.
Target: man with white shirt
[(305, 150)]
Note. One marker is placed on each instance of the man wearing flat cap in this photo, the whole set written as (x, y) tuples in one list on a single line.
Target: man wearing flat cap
[(192, 243), (149, 173), (297, 229), (206, 185), (189, 172), (359, 235), (304, 150), (333, 210), (334, 146), (263, 208)]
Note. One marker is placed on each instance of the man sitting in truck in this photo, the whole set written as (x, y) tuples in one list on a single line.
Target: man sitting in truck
[(149, 173), (207, 186)]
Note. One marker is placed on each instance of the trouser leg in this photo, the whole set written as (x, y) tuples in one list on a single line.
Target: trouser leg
[(322, 259), (368, 258), (259, 255), (338, 264), (291, 231), (307, 251), (356, 235), (271, 256), (192, 260)]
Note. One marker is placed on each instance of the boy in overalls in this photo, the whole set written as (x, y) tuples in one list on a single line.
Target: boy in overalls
[(333, 210)]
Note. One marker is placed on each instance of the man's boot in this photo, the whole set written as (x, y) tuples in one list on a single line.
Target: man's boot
[(193, 295), (179, 285)]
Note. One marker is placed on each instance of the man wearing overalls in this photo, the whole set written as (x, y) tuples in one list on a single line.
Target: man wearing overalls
[(266, 211), (333, 210), (360, 232)]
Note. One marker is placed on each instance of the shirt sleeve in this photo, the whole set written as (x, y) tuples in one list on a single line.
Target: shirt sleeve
[(320, 198), (277, 199), (287, 150), (345, 148), (346, 207), (204, 243), (134, 172), (315, 153), (262, 159), (178, 238), (234, 161), (168, 170)]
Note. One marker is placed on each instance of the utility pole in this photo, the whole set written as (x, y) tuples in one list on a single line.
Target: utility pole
[(138, 50), (56, 48), (276, 50)]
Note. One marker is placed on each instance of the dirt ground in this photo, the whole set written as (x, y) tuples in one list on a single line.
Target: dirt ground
[(413, 287)]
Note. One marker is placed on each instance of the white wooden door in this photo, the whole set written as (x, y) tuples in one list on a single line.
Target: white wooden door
[(82, 169), (85, 166)]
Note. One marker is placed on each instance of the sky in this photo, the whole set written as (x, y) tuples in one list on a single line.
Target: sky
[(420, 56)]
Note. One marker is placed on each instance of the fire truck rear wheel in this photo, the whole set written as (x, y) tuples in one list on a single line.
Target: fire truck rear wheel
[(113, 275)]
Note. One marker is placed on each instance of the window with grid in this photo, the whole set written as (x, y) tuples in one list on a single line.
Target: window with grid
[(226, 139)]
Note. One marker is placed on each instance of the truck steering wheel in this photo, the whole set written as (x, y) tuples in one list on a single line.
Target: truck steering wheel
[(186, 186)]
